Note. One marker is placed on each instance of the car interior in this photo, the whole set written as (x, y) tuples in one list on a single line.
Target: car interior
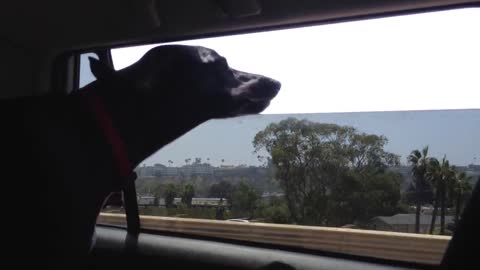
[(42, 44)]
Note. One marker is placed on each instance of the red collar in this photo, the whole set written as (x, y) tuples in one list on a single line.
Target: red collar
[(112, 137), (125, 169)]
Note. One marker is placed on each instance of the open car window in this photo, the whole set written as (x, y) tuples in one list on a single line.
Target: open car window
[(375, 129)]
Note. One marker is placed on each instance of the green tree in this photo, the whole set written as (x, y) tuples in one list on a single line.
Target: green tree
[(436, 175), (244, 200), (462, 189), (188, 194), (275, 211), (313, 161), (197, 161), (358, 199), (441, 176), (420, 190), (220, 213), (169, 194), (222, 189)]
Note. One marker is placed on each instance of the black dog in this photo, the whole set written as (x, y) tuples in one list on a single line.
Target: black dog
[(73, 139)]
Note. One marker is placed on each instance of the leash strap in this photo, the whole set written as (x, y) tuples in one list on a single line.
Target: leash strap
[(124, 167)]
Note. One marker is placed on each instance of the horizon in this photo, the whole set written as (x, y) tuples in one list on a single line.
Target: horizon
[(230, 139)]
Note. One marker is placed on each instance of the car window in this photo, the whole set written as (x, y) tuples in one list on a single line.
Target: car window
[(86, 76), (375, 128)]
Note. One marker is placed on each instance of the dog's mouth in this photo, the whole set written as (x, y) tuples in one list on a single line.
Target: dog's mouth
[(254, 92), (250, 107)]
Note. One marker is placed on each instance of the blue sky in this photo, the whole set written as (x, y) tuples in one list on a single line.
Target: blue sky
[(451, 132)]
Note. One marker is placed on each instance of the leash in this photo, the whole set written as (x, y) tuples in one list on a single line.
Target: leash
[(124, 167)]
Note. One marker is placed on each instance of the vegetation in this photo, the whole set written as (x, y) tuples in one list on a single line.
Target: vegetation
[(188, 194), (451, 188), (461, 190), (170, 194), (318, 174), (244, 200), (420, 189), (331, 175), (223, 189)]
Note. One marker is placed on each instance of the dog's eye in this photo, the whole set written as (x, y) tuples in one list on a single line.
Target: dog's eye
[(222, 68), (222, 60)]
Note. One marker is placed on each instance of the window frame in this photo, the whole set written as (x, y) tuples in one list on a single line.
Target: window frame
[(112, 220)]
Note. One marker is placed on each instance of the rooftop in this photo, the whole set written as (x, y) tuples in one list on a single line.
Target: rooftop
[(409, 219)]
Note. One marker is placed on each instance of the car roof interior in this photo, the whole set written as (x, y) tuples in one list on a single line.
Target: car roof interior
[(36, 34), (40, 40)]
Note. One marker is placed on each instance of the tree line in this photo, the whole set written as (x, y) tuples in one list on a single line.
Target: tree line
[(332, 175), (242, 198), (439, 183)]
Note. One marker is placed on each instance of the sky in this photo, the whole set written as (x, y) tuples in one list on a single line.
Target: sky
[(413, 62), (427, 61), (448, 132)]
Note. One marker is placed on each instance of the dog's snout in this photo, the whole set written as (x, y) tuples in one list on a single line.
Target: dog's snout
[(271, 84), (270, 87), (256, 88)]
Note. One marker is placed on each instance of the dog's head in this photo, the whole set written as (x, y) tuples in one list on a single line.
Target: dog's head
[(196, 74)]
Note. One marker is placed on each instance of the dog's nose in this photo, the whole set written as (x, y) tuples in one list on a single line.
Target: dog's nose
[(273, 84), (270, 85)]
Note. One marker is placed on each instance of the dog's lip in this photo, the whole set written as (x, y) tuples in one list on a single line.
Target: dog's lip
[(259, 99), (264, 92), (250, 107), (259, 90)]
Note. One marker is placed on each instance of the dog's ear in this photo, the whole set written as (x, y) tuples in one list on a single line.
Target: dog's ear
[(99, 69)]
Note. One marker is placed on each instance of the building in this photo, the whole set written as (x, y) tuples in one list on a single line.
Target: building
[(267, 196), (405, 223), (474, 167), (146, 200), (196, 169), (145, 171), (209, 202), (199, 202), (160, 170)]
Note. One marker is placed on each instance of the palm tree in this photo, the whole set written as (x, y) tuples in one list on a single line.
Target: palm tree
[(448, 173), (462, 187), (434, 175), (421, 189), (440, 176), (197, 161), (188, 194)]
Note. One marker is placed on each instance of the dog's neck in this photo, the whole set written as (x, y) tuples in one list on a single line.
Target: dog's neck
[(131, 113)]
